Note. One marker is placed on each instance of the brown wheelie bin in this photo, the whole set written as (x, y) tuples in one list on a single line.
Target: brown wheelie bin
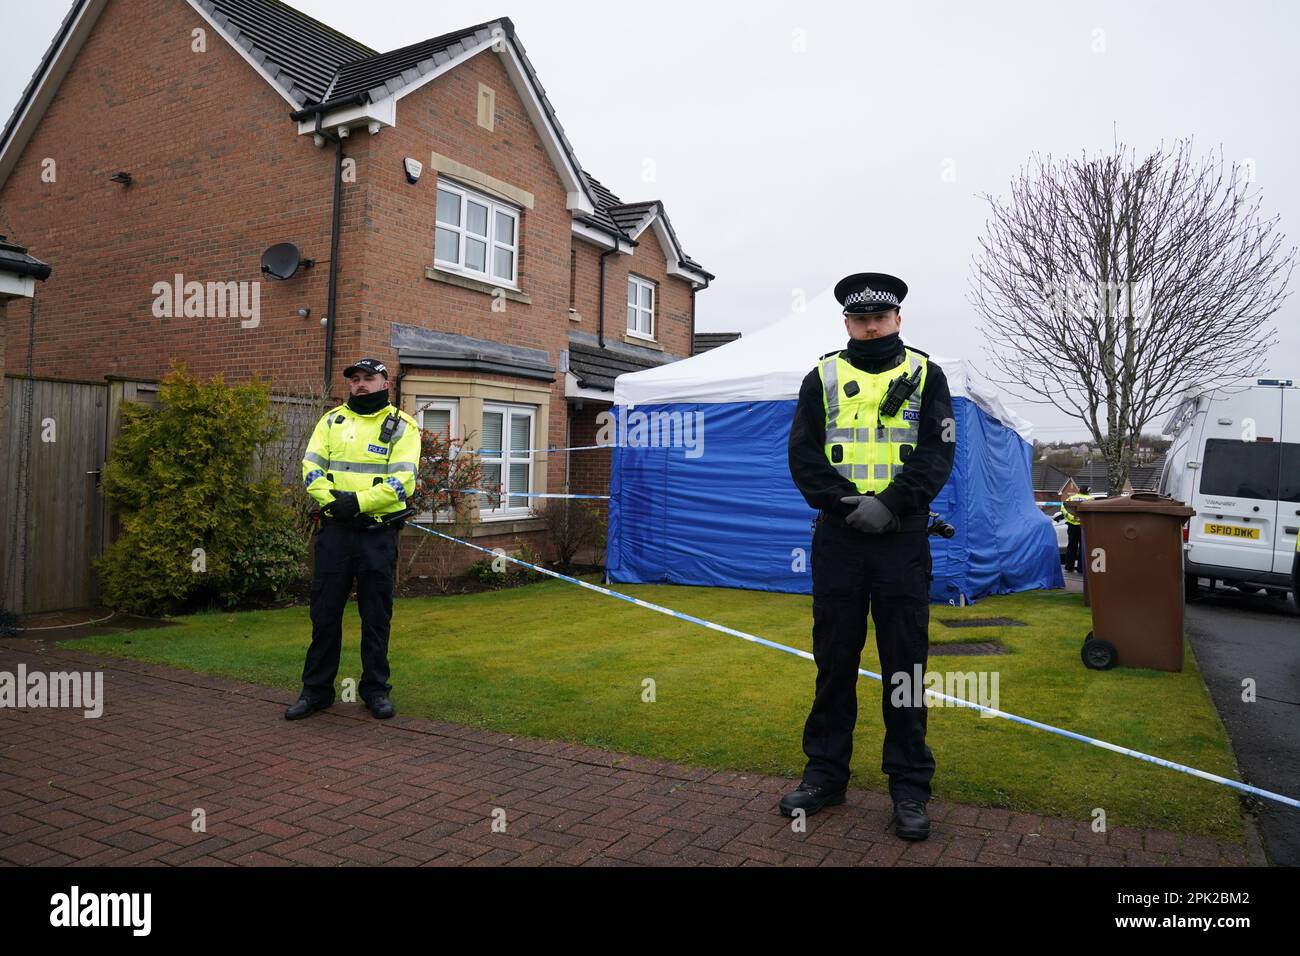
[(1134, 555)]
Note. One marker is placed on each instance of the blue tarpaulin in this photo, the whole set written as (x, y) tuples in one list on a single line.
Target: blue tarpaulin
[(731, 516), (719, 508)]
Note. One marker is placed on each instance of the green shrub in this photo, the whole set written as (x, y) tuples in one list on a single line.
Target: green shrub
[(514, 574), (200, 525)]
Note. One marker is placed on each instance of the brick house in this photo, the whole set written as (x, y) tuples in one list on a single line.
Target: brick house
[(163, 145)]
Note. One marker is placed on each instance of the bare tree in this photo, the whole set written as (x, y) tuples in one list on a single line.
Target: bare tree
[(1109, 285), (449, 470)]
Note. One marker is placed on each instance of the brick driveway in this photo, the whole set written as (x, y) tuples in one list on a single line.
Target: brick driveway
[(342, 788)]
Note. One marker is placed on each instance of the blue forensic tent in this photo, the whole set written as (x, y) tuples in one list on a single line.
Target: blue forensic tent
[(701, 492)]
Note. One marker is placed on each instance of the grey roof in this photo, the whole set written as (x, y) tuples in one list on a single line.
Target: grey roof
[(629, 215), (382, 74), (1094, 475), (302, 55), (1048, 477), (614, 214), (706, 341), (1147, 477), (424, 348), (604, 202), (14, 259), (595, 367)]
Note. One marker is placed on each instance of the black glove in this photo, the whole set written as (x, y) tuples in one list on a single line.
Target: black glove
[(870, 516), (344, 505)]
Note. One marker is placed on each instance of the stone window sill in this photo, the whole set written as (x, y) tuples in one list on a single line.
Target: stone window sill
[(476, 285), (491, 528), (643, 342)]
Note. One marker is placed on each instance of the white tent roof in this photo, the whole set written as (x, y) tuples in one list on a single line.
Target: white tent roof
[(770, 365)]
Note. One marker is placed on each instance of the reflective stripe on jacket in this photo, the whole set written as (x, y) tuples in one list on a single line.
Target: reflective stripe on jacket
[(865, 447), (345, 454), (1070, 516)]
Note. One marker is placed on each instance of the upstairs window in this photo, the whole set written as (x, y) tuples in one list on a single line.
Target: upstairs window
[(476, 235), (640, 307)]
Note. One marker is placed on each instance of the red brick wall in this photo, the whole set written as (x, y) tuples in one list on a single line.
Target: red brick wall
[(673, 326), (588, 470), (219, 174), (399, 226), (586, 291)]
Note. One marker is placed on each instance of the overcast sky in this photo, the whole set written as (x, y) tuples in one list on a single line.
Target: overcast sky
[(796, 142)]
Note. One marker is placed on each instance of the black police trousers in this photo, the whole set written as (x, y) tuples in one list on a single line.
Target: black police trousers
[(1073, 543), (888, 575), (344, 555)]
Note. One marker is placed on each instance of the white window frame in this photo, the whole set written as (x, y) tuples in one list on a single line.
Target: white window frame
[(504, 457), (493, 243), (634, 328), (425, 403)]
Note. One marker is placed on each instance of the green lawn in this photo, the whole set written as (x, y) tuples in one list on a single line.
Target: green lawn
[(555, 661)]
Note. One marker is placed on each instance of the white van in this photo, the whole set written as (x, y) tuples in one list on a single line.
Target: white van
[(1236, 459)]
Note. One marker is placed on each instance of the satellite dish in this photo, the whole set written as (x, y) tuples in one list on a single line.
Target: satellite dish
[(282, 260)]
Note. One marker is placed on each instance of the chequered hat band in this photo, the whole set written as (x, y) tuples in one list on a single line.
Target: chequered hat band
[(870, 295)]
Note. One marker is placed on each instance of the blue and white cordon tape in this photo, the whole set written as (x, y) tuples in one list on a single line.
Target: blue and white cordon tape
[(1126, 751)]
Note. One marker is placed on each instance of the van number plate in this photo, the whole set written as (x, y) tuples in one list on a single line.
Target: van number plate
[(1232, 531)]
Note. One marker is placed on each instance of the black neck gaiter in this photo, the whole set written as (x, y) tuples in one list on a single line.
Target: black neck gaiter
[(369, 404), (874, 351)]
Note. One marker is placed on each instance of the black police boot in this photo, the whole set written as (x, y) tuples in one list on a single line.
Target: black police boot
[(305, 707), (810, 798), (381, 707), (910, 820)]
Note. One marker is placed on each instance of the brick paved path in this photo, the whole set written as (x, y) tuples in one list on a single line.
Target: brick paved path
[(343, 788)]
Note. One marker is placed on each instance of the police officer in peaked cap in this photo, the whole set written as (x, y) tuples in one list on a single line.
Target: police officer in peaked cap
[(871, 445), (360, 467)]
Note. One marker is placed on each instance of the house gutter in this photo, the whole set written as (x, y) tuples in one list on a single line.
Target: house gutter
[(600, 309), (331, 319), (307, 112)]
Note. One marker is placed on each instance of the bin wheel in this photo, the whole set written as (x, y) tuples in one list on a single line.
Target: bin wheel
[(1099, 655), (1087, 637)]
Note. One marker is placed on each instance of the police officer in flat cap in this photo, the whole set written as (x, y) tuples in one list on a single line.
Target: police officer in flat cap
[(360, 466), (871, 444)]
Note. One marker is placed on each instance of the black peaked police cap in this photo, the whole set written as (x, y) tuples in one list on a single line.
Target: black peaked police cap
[(865, 292), (367, 365)]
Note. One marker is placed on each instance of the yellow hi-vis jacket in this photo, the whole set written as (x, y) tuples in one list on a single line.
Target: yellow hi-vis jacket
[(345, 454), (1070, 516), (864, 446)]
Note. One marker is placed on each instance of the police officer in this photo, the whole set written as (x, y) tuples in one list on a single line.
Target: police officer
[(1074, 529), (360, 466), (871, 468)]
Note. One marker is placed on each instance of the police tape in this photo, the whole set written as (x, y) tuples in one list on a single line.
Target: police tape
[(929, 693)]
